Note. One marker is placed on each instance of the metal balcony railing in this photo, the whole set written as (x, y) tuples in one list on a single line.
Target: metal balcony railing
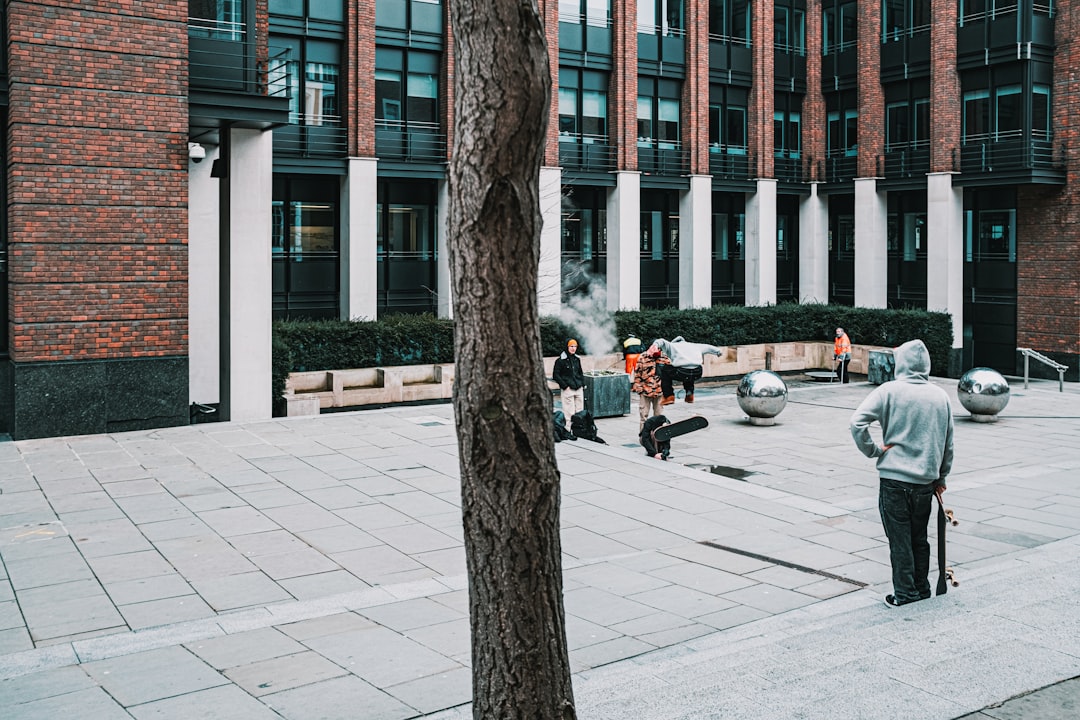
[(1009, 151), (590, 153), (662, 160), (410, 141), (222, 56), (730, 163)]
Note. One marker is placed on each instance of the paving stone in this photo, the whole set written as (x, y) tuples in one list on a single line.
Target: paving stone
[(90, 704), (165, 611), (247, 589), (218, 703), (236, 649), (381, 656), (338, 699), (283, 673)]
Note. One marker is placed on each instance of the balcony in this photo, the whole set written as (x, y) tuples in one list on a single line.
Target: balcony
[(586, 153), (904, 164), (788, 169), (667, 161), (839, 168), (311, 137), (1011, 158), (228, 85), (729, 163), (409, 142)]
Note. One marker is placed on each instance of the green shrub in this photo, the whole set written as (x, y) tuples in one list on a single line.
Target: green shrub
[(300, 345)]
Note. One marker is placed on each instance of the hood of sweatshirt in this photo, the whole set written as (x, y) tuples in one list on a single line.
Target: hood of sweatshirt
[(912, 361)]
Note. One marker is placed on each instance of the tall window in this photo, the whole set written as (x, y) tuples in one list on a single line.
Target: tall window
[(1040, 112), (664, 17), (727, 119), (406, 87), (582, 106), (789, 29), (729, 21), (843, 133), (839, 26), (904, 17), (658, 122), (312, 74), (787, 126), (217, 19), (592, 12), (907, 124)]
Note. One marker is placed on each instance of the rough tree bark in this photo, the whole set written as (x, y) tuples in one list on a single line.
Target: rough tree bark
[(509, 479)]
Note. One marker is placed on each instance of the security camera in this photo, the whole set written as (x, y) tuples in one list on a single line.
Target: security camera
[(196, 152)]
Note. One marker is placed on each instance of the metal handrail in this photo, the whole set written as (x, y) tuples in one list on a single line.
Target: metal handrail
[(1029, 353)]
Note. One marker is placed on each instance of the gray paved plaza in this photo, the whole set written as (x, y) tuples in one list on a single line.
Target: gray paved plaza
[(313, 568)]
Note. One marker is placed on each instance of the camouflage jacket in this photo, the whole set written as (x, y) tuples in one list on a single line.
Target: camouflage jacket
[(647, 375)]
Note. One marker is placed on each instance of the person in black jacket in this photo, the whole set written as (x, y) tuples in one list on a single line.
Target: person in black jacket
[(570, 379)]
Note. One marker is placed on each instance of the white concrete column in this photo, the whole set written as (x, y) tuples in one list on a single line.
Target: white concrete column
[(442, 251), (945, 250), (359, 244), (246, 283), (549, 279), (814, 247), (204, 326), (624, 238), (871, 245), (761, 244), (695, 244)]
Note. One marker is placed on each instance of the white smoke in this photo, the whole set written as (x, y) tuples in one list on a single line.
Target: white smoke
[(585, 310)]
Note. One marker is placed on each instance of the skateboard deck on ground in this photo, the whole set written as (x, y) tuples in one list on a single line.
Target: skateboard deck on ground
[(690, 424)]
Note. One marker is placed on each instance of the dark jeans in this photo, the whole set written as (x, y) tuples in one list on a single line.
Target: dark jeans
[(842, 371), (686, 374), (905, 512)]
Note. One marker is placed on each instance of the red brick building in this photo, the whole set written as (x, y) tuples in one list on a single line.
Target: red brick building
[(179, 174)]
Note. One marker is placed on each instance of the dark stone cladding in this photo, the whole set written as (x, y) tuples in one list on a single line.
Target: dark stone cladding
[(95, 396)]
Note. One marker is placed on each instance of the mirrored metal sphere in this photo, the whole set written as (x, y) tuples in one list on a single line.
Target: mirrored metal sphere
[(983, 392), (762, 394)]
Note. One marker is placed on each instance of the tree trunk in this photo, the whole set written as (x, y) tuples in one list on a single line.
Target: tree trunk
[(509, 479)]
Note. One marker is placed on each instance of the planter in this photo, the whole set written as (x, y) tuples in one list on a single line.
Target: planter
[(607, 393)]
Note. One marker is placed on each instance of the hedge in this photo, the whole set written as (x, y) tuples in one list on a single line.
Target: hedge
[(301, 345)]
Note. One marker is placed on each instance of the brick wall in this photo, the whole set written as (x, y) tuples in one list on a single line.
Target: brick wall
[(813, 110), (871, 96), (1048, 252), (695, 99), (759, 116), (97, 179), (360, 68), (622, 100), (946, 107)]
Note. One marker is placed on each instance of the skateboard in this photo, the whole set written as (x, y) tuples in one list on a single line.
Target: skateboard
[(946, 574), (664, 433)]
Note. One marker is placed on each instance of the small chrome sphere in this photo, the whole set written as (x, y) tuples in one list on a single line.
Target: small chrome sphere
[(983, 392), (762, 395)]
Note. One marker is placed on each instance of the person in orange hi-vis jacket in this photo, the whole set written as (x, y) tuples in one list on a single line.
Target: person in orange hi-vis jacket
[(842, 353)]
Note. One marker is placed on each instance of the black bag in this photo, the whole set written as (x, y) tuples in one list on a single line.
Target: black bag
[(584, 427), (652, 446), (559, 427)]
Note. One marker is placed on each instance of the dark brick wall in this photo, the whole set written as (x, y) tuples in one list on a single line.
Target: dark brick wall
[(97, 180), (871, 96), (946, 103), (1048, 250), (97, 216)]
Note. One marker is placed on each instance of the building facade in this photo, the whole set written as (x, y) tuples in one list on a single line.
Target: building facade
[(179, 175)]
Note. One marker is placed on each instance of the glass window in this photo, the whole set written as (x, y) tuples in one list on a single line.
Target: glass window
[(668, 125), (646, 17), (320, 94), (594, 115), (423, 91), (569, 11), (597, 12), (922, 122), (645, 135), (735, 127), (1010, 111), (976, 114), (216, 19), (896, 126), (1040, 112), (388, 95), (568, 128)]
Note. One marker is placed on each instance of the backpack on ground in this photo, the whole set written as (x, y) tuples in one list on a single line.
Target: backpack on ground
[(584, 427), (558, 421)]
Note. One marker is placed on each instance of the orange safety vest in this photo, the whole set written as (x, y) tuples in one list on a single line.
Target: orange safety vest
[(842, 346)]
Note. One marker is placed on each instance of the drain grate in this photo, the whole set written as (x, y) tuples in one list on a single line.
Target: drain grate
[(784, 563)]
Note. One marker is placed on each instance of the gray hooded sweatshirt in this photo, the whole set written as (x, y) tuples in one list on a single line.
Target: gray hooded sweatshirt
[(686, 354), (916, 422)]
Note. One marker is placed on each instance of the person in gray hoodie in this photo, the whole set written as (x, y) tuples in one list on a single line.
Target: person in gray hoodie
[(913, 460), (686, 359)]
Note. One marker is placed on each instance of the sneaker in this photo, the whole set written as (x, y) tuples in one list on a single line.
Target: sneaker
[(689, 397), (668, 400), (890, 600)]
